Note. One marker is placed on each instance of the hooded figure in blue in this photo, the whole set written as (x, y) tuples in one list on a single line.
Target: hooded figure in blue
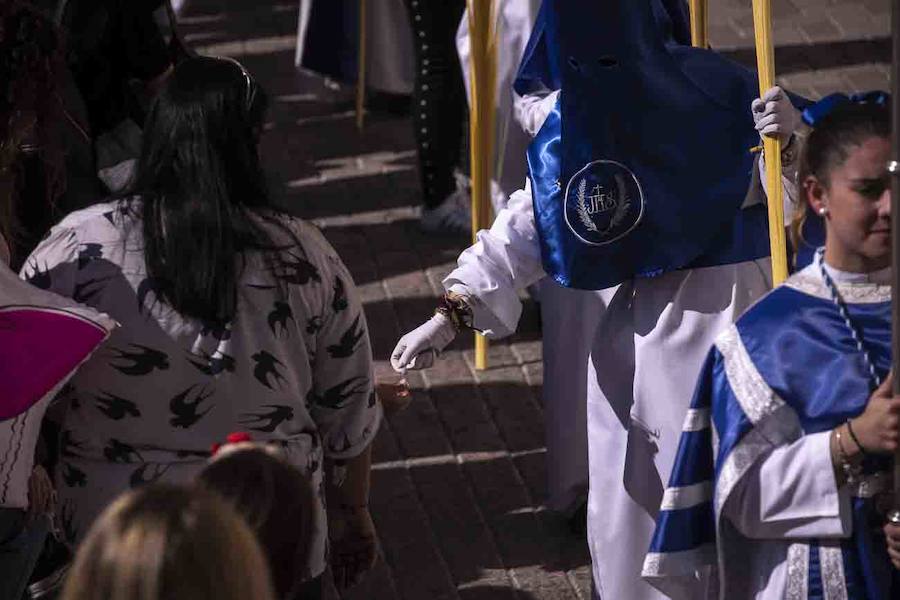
[(629, 352), (782, 477)]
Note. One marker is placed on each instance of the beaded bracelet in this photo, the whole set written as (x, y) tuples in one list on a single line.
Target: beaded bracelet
[(455, 308)]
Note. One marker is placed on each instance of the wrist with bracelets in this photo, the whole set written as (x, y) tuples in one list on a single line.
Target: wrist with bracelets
[(855, 439), (454, 307), (851, 472)]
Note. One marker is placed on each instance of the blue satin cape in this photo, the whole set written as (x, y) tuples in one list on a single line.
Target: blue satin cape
[(653, 127)]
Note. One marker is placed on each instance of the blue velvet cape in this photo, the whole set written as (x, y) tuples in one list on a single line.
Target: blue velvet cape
[(788, 367)]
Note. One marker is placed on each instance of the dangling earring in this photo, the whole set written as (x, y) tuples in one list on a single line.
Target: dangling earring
[(823, 211)]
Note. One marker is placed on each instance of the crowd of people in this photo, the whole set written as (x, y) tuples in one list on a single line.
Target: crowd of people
[(187, 392)]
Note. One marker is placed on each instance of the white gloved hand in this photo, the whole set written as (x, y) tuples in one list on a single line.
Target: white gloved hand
[(417, 349), (774, 115)]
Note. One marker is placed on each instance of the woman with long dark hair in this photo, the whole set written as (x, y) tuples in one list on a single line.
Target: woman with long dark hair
[(233, 316)]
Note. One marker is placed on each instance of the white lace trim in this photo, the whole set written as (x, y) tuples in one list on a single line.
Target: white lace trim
[(797, 584), (831, 566), (696, 419), (809, 281)]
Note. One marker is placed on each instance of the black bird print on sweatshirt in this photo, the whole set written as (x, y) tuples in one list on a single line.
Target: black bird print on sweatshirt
[(185, 406), (213, 364), (148, 285), (68, 445), (335, 397), (347, 344), (119, 452), (267, 365), (39, 278), (147, 473), (313, 325), (142, 362), (73, 476), (267, 422), (85, 291), (116, 408), (89, 252), (279, 317), (296, 270), (339, 302)]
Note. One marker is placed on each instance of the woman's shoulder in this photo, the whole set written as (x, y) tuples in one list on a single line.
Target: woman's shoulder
[(103, 214), (781, 308), (310, 237)]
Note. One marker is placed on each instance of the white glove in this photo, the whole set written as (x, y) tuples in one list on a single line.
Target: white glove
[(417, 349), (774, 115)]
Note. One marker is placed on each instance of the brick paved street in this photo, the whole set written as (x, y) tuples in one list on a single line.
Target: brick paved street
[(458, 478)]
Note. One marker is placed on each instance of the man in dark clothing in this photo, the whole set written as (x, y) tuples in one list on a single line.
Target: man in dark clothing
[(111, 46)]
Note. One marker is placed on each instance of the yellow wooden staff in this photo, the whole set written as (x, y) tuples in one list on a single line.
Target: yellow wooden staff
[(482, 118), (361, 67), (765, 62), (699, 23)]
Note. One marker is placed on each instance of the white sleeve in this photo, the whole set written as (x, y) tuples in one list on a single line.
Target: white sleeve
[(788, 181), (505, 260), (792, 494), (531, 110)]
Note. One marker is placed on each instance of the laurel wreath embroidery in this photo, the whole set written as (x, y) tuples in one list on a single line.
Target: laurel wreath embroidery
[(617, 217), (582, 207)]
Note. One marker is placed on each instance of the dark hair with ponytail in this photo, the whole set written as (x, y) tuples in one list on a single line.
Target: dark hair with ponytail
[(199, 187), (828, 146)]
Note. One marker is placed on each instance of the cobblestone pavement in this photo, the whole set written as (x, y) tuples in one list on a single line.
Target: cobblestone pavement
[(458, 480)]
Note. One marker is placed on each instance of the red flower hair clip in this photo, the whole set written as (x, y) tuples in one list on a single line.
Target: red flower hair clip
[(232, 438)]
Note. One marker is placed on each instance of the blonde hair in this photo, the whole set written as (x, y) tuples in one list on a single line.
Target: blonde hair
[(166, 542)]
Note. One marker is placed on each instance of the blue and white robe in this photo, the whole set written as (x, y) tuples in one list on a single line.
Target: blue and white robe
[(752, 497)]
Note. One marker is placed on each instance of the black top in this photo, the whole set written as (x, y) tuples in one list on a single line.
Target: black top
[(109, 44)]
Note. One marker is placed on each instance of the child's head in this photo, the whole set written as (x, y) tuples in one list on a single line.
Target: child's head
[(843, 174), (276, 500), (165, 542)]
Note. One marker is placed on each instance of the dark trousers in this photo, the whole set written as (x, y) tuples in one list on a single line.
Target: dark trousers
[(439, 96), (21, 542)]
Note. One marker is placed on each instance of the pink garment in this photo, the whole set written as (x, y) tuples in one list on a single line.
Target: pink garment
[(43, 339)]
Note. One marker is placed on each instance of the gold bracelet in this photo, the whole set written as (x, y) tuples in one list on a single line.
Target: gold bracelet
[(851, 473)]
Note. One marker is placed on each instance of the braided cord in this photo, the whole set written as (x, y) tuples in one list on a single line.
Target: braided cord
[(874, 379)]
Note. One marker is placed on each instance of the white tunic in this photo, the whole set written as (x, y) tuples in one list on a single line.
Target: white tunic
[(643, 358), (515, 19), (790, 495)]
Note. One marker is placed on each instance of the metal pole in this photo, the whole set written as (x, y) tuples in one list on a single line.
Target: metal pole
[(361, 67), (895, 232), (765, 61)]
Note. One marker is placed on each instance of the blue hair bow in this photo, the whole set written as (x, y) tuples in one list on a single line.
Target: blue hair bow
[(817, 111)]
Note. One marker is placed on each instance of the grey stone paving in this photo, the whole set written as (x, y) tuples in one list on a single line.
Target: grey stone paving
[(458, 486)]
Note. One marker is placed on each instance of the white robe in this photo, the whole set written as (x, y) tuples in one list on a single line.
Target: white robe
[(646, 341), (515, 19), (389, 54)]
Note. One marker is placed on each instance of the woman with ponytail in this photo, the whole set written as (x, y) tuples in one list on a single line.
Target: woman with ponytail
[(782, 481)]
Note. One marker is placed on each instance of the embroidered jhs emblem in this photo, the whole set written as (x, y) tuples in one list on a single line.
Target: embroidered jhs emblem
[(603, 202)]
